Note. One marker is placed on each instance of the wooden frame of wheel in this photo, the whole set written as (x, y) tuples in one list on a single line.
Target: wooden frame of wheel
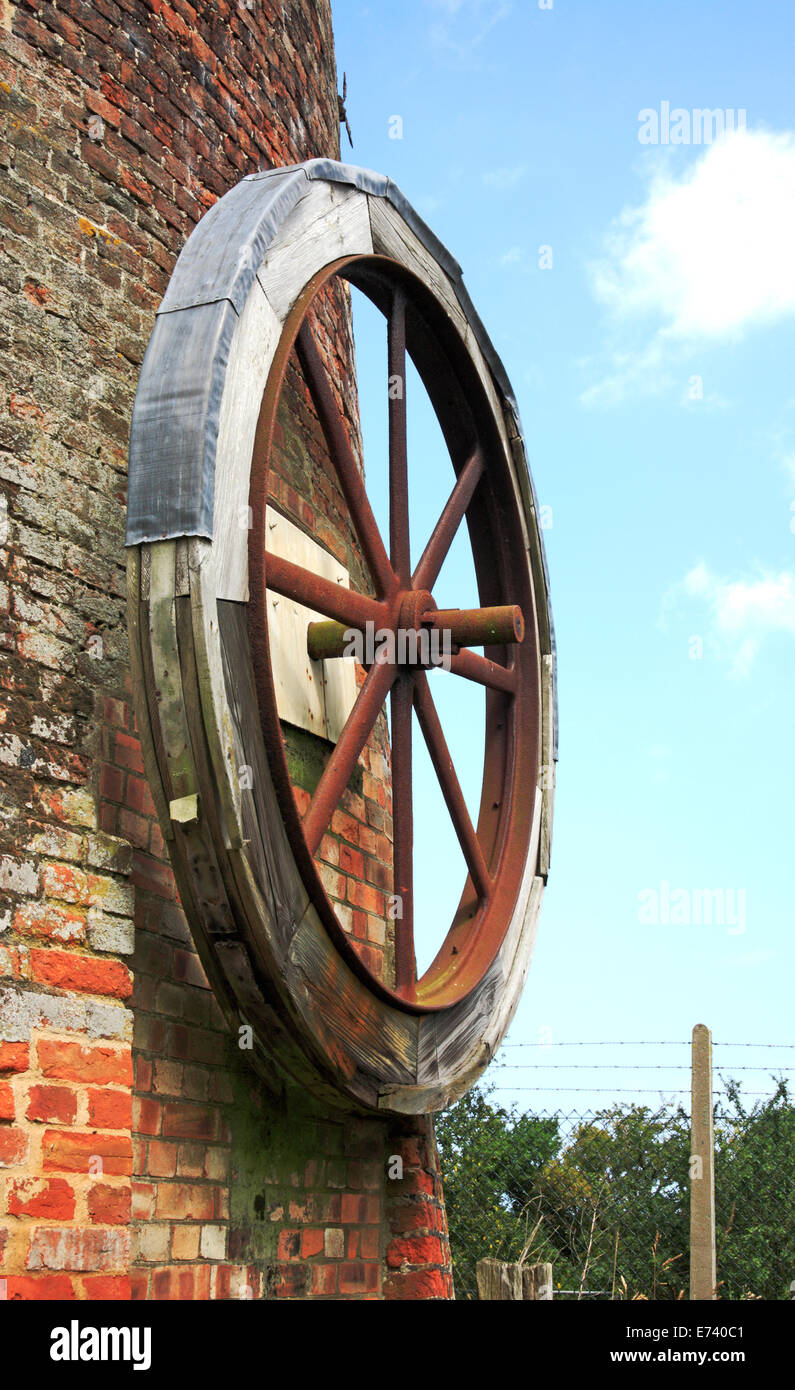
[(269, 955)]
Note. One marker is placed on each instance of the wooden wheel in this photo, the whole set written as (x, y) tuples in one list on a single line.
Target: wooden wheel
[(202, 441)]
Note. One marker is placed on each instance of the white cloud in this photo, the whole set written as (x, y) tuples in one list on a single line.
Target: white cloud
[(788, 465), (706, 257), (513, 256), (477, 19), (503, 179), (741, 613)]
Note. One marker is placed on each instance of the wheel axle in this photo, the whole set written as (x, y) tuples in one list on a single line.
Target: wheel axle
[(468, 627)]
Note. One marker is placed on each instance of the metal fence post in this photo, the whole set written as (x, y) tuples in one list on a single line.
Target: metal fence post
[(703, 1273)]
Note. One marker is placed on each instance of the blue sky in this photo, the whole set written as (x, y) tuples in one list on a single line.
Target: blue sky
[(653, 365)]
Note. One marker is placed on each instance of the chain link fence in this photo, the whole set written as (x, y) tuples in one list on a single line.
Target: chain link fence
[(603, 1195)]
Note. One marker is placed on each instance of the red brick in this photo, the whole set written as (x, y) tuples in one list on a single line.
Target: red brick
[(365, 896), (357, 1276), (416, 1284), (53, 1287), (111, 783), (177, 1201), (110, 1109), (66, 882), (127, 752), (138, 797), (290, 1281), (70, 1061), (417, 1250), (150, 876), (68, 1152), (189, 1121), (143, 1198), (52, 1105), (162, 1159), (414, 1216), (354, 1207), (108, 1286), (51, 920), (323, 1280), (417, 1183), (67, 1248), (109, 1206), (345, 826), (351, 861), (116, 712), (86, 974), (51, 1198), (14, 1146), (146, 1116), (7, 1110), (14, 1056), (289, 1245), (311, 1244)]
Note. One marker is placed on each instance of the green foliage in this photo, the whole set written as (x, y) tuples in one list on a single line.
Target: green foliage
[(606, 1202)]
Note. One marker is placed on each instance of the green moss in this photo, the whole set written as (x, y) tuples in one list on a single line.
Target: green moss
[(307, 756)]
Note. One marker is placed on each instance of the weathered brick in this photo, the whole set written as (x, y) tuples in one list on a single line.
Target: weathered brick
[(62, 1248), (52, 1105), (70, 1061), (68, 1152), (14, 1146), (51, 1198), (87, 974)]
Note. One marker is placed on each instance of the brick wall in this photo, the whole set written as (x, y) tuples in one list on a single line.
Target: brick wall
[(139, 1157)]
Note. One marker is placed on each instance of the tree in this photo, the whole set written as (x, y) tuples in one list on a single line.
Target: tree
[(607, 1203)]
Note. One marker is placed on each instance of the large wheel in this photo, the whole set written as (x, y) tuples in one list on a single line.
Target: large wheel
[(239, 303)]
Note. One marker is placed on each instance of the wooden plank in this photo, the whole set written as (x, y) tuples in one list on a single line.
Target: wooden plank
[(516, 964), (314, 695), (331, 221), (166, 697), (393, 237), (547, 763), (136, 629), (210, 676), (534, 542), (364, 1038), (264, 838), (251, 354)]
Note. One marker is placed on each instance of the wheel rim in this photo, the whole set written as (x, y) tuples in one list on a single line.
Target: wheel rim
[(495, 848)]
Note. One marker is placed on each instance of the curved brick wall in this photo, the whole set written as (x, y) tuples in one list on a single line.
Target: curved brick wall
[(138, 1155)]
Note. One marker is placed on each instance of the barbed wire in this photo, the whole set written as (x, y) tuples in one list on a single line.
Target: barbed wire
[(612, 1090), (611, 1066), (644, 1042)]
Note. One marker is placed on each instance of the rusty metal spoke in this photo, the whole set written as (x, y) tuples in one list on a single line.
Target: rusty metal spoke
[(301, 585), (435, 552), (483, 672), (451, 789), (403, 823), (399, 544), (345, 463), (337, 771)]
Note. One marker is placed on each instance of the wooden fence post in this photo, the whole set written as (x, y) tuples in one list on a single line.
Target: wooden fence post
[(498, 1281), (703, 1273), (537, 1281)]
